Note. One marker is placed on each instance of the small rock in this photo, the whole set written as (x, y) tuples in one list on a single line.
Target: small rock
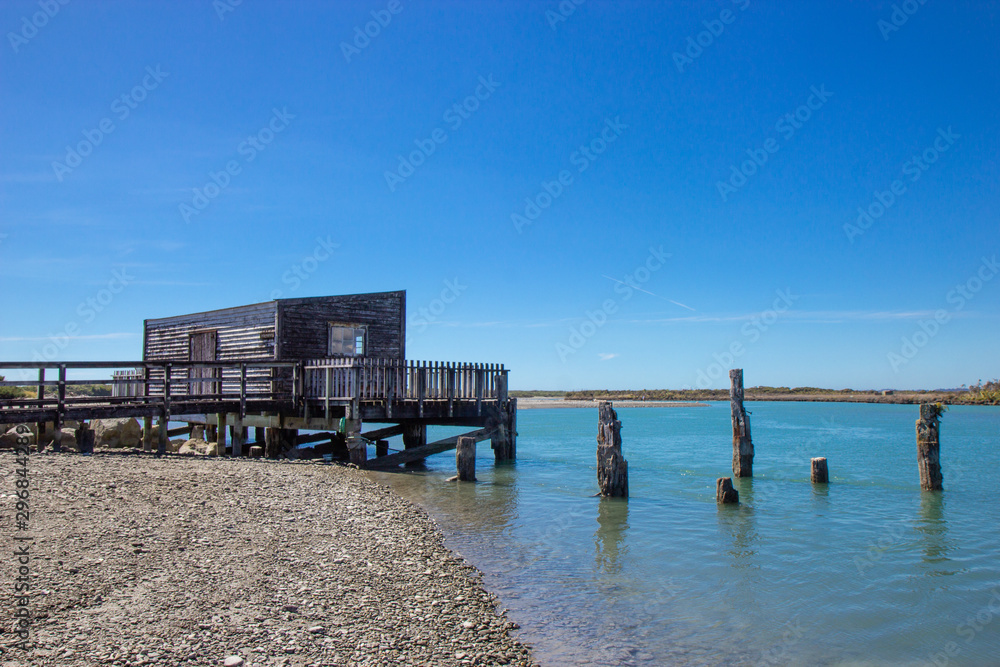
[(317, 629), (468, 625), (233, 661)]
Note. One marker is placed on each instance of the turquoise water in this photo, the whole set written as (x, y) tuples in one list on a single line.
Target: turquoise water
[(866, 571)]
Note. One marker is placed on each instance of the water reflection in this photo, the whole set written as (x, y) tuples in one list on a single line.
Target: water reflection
[(933, 528), (609, 539), (741, 524)]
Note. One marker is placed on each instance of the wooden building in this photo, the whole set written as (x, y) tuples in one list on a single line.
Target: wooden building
[(354, 325)]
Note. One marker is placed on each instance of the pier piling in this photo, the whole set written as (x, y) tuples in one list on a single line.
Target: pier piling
[(612, 468), (928, 447), (725, 494), (742, 444), (465, 459), (819, 473)]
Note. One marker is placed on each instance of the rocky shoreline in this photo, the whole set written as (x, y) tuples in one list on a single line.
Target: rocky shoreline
[(216, 561)]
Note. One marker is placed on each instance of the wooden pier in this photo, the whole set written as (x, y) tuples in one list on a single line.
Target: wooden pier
[(337, 395)]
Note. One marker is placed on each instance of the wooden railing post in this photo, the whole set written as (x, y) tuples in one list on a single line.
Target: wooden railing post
[(243, 392), (61, 409), (327, 379), (166, 389), (421, 389)]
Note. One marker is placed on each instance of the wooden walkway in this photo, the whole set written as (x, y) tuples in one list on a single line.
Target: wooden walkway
[(318, 394)]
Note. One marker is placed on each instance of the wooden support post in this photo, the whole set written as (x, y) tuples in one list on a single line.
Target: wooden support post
[(414, 435), (381, 448), (929, 447), (256, 452), (239, 436), (272, 446), (85, 438), (725, 494), (161, 446), (819, 473), (221, 434), (357, 450), (465, 459), (742, 444), (147, 433), (612, 468)]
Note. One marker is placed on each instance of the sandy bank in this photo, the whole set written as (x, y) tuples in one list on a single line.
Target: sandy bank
[(185, 561)]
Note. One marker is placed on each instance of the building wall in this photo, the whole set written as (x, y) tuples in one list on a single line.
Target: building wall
[(302, 329), (245, 333)]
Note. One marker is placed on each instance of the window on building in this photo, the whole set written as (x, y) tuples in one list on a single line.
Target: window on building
[(347, 340)]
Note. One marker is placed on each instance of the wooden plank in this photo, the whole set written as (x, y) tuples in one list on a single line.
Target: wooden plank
[(383, 433), (429, 449)]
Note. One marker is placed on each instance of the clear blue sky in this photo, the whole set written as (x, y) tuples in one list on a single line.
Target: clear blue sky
[(623, 122)]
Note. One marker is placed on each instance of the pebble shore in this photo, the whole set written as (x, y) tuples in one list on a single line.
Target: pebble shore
[(207, 561)]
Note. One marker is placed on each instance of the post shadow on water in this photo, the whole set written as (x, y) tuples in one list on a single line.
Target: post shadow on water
[(610, 538)]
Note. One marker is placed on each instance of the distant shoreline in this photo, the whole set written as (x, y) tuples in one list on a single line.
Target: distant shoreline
[(692, 398)]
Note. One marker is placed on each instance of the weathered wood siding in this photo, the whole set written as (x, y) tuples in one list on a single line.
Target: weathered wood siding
[(303, 324), (245, 333)]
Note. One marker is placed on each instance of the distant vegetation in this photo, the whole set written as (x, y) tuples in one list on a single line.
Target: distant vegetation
[(978, 394), (31, 390)]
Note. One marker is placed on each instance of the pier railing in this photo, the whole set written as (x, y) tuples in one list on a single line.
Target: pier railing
[(169, 386)]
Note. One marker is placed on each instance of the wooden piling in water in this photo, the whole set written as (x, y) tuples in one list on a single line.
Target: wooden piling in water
[(381, 448), (819, 473), (929, 447), (725, 494), (465, 459), (742, 443), (612, 468), (147, 434), (414, 435)]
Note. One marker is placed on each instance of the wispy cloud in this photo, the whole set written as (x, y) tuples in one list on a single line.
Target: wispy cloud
[(606, 356)]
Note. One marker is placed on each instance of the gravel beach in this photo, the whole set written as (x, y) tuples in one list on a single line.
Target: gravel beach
[(200, 561)]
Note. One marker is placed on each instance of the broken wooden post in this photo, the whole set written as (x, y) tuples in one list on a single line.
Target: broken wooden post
[(928, 446), (742, 444), (85, 437), (465, 459), (147, 434), (819, 473), (725, 494), (381, 448), (256, 452), (612, 468)]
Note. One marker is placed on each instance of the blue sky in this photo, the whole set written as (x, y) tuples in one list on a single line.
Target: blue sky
[(627, 194)]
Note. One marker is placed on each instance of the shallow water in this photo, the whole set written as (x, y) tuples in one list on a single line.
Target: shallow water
[(866, 571)]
